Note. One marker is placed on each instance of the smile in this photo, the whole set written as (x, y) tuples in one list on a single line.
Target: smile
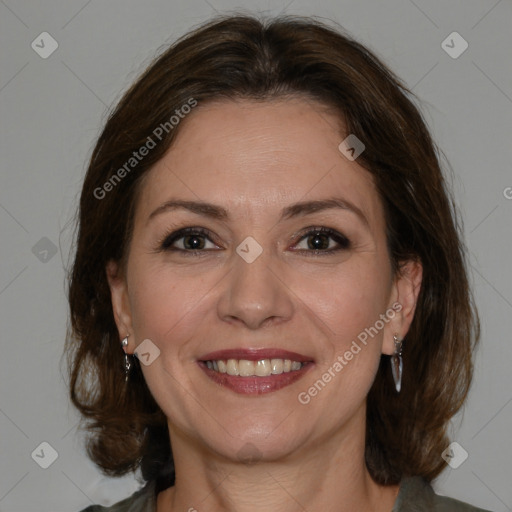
[(255, 371), (247, 368)]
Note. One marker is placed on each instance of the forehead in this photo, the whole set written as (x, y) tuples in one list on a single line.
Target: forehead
[(256, 157)]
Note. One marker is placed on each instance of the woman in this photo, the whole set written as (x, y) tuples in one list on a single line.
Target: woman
[(263, 228)]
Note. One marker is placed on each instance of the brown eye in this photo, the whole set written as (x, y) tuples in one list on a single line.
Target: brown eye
[(318, 241), (194, 239)]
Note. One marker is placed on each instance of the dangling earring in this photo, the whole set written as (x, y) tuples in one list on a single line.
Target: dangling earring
[(127, 364), (397, 363)]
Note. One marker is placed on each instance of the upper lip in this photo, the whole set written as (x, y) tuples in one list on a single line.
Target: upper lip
[(255, 354)]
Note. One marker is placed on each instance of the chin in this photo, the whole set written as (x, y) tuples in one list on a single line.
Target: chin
[(253, 449), (251, 440)]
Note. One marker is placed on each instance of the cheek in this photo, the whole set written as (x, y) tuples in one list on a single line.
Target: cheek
[(168, 308), (350, 304), (164, 304), (351, 354), (349, 299)]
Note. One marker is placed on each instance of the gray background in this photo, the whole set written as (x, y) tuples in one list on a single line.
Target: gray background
[(51, 112)]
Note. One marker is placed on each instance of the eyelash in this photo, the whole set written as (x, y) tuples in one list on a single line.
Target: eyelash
[(165, 244)]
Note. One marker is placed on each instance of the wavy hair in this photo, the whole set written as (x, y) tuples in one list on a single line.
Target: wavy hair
[(237, 57)]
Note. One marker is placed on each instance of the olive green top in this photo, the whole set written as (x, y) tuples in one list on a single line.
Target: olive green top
[(415, 495)]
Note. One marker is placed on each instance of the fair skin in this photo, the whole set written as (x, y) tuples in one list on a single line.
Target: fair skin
[(254, 159)]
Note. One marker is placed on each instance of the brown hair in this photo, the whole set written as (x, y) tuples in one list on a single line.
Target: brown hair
[(243, 57)]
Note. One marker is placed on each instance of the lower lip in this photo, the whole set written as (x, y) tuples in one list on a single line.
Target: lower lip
[(255, 385)]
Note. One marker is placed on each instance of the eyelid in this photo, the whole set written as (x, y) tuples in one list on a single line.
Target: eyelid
[(342, 240), (165, 243), (171, 236)]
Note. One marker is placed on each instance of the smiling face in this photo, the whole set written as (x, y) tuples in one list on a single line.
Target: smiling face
[(212, 290)]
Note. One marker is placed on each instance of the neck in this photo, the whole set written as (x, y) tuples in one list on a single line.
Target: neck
[(328, 474)]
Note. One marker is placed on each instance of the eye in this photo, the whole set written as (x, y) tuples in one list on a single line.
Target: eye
[(317, 241), (193, 240)]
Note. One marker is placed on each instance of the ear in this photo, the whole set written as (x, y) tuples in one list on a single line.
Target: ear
[(120, 300), (403, 300)]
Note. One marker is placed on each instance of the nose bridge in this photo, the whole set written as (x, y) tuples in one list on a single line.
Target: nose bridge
[(254, 291)]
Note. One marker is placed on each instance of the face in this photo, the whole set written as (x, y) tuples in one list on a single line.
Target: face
[(266, 272)]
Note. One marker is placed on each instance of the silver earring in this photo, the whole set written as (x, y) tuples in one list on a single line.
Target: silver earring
[(127, 364), (397, 363)]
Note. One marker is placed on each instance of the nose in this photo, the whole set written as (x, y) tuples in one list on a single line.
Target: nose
[(255, 294)]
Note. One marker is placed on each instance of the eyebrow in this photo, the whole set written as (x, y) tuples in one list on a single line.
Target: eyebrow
[(294, 210)]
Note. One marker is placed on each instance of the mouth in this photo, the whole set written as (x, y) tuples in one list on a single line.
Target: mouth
[(255, 371)]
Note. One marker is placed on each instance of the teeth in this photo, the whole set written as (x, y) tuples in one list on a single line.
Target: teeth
[(246, 368), (261, 368), (232, 367), (277, 366)]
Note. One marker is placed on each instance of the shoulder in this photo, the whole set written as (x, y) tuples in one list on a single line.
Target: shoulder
[(417, 495), (143, 500)]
